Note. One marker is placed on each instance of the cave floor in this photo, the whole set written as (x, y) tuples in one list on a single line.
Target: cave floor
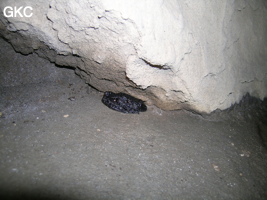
[(58, 141)]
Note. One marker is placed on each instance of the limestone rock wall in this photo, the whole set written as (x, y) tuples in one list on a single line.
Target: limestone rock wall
[(199, 55), (17, 70)]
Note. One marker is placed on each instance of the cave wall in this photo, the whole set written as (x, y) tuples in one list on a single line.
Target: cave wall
[(19, 70), (202, 55)]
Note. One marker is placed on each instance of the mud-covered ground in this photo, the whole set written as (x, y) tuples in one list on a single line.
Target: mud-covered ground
[(58, 141)]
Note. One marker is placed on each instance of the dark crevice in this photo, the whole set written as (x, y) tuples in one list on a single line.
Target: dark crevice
[(249, 109), (65, 66), (163, 67), (130, 81)]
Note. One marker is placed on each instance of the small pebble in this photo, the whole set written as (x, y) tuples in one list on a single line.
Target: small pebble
[(216, 168), (71, 98)]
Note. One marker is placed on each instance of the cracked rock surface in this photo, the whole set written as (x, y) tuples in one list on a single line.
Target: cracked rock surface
[(200, 56)]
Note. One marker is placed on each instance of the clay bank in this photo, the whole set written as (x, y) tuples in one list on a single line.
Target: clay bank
[(199, 56)]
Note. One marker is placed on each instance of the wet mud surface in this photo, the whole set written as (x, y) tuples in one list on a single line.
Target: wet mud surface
[(58, 141)]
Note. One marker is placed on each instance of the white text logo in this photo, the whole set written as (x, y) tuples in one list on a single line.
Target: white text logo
[(20, 12)]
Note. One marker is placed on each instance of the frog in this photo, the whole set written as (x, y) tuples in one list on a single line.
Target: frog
[(124, 103)]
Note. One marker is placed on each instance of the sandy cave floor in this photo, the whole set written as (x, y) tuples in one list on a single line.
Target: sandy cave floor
[(58, 141)]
